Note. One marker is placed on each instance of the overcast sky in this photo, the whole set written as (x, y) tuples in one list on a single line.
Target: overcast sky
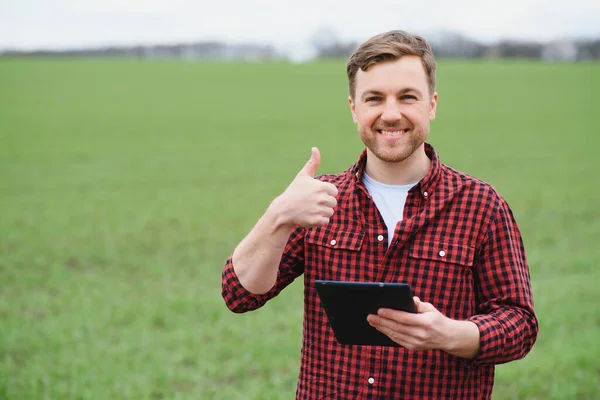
[(34, 24)]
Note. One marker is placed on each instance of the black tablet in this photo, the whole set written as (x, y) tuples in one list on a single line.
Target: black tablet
[(347, 305)]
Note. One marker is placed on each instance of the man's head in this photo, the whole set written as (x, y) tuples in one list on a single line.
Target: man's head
[(392, 94)]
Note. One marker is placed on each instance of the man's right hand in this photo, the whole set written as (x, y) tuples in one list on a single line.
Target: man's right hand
[(307, 202)]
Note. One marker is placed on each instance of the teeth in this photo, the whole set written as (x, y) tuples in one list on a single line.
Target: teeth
[(392, 133)]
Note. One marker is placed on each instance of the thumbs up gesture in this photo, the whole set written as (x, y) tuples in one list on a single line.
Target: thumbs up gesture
[(307, 201)]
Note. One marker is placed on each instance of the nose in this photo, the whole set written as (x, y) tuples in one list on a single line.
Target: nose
[(391, 113)]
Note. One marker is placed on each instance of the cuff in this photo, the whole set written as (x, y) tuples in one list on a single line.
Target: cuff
[(491, 339)]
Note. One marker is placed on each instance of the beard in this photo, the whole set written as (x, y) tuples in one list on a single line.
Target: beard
[(393, 151)]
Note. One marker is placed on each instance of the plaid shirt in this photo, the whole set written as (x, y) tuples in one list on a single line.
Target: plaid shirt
[(458, 247)]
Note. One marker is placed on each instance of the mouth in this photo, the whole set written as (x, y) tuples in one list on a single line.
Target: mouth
[(392, 133)]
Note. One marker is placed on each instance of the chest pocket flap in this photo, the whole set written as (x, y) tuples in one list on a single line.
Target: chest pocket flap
[(455, 253), (335, 238)]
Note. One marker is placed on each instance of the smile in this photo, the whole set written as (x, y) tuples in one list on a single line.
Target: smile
[(392, 133)]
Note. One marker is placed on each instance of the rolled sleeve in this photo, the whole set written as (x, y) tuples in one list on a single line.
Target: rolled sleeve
[(506, 337), (238, 299)]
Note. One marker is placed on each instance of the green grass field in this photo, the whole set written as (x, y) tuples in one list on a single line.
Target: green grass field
[(125, 185)]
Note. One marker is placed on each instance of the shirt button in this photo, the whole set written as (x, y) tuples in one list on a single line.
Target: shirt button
[(380, 238), (425, 194), (371, 381), (442, 253), (333, 242)]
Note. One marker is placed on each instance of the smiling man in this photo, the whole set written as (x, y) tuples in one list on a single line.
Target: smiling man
[(397, 215)]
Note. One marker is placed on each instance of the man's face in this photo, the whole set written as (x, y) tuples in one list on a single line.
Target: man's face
[(392, 108)]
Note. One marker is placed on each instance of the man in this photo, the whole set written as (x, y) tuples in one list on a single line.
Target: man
[(397, 215)]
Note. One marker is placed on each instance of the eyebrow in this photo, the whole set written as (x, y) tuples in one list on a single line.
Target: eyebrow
[(400, 92)]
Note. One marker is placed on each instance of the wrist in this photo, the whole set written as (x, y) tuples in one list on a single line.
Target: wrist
[(450, 336), (461, 339), (277, 215)]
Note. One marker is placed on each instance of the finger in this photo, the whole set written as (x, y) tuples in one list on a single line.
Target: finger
[(379, 322), (417, 301), (330, 189), (327, 212), (424, 307), (400, 317), (395, 336), (319, 220), (328, 201), (390, 328), (310, 168)]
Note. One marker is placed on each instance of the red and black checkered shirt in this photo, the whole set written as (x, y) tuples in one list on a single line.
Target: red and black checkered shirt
[(458, 247)]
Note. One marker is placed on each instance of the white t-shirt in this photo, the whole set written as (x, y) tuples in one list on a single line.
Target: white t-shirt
[(390, 200)]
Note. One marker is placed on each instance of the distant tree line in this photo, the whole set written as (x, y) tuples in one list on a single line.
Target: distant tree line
[(326, 45), (451, 45), (202, 50)]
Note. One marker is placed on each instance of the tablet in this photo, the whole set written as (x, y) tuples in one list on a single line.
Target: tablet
[(347, 305)]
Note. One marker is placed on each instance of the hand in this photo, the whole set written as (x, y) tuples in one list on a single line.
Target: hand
[(423, 331), (308, 202)]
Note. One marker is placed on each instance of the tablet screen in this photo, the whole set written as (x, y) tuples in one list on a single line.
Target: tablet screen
[(347, 305)]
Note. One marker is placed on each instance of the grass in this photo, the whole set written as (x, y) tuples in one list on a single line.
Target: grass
[(124, 186)]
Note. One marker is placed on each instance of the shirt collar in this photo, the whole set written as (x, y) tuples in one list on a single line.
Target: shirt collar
[(425, 186)]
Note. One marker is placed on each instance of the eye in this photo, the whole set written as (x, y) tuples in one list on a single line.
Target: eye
[(372, 99), (409, 97)]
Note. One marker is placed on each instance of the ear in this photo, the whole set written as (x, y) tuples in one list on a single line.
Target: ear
[(352, 108), (433, 106)]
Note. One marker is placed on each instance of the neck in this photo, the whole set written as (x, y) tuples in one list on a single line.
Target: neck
[(410, 170)]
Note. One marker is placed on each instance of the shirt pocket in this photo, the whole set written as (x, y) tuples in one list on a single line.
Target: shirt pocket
[(332, 252), (444, 252), (441, 274)]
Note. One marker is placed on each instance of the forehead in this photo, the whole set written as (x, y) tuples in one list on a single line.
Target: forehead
[(394, 75)]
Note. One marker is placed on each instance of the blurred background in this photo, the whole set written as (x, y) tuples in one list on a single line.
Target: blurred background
[(140, 141), (264, 30)]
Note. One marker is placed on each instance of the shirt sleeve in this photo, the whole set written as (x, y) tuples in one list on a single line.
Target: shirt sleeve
[(240, 300), (506, 320)]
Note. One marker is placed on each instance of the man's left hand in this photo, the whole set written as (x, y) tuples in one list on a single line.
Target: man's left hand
[(428, 329), (422, 331)]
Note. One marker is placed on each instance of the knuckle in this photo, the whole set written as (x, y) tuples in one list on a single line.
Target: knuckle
[(330, 188), (318, 220)]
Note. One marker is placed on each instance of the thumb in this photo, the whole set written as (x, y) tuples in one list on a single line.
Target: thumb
[(417, 302), (423, 306), (313, 164)]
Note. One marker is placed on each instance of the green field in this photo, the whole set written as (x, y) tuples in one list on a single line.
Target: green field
[(124, 186)]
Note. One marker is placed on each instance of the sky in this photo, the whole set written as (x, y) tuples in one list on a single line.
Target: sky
[(69, 24)]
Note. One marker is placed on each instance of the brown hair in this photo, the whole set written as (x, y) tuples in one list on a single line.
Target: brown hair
[(390, 46)]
